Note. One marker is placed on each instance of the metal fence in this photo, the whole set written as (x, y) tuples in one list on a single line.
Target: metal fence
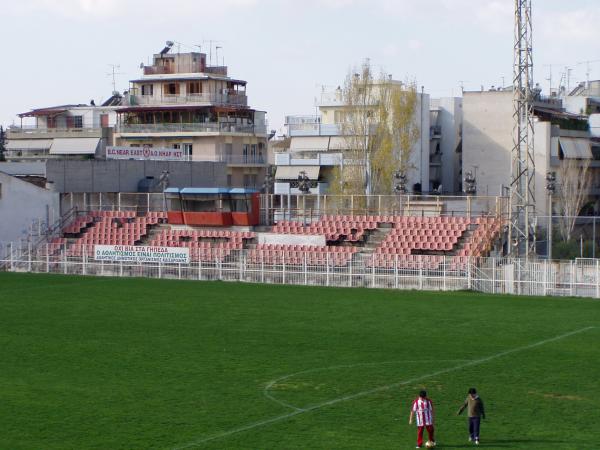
[(490, 275)]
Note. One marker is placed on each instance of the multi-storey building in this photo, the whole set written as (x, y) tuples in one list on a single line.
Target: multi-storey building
[(181, 102), (317, 144), (560, 136), (65, 131)]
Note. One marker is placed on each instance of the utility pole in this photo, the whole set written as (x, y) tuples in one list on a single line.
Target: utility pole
[(522, 186)]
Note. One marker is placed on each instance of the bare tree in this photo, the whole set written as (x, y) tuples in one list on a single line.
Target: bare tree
[(574, 185), (379, 129)]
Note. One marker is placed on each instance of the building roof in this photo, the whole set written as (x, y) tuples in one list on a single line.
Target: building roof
[(187, 77), (52, 110)]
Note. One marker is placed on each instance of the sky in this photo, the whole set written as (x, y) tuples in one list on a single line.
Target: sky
[(60, 51)]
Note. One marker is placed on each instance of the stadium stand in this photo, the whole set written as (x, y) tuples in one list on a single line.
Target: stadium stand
[(204, 245), (385, 241)]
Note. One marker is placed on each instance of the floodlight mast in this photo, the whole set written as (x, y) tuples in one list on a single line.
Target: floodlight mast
[(522, 187)]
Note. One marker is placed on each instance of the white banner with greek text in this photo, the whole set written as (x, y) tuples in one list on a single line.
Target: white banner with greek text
[(142, 254), (145, 153)]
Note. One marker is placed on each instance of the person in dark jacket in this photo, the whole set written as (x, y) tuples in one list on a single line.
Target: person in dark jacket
[(476, 412)]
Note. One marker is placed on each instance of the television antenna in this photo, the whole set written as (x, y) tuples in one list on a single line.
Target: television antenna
[(210, 48), (588, 70), (113, 73)]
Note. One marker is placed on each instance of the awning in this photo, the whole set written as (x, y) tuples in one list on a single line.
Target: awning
[(574, 148), (28, 144), (309, 143), (338, 143), (292, 172), (74, 146)]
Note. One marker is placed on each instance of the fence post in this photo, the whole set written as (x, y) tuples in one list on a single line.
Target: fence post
[(396, 271), (445, 274), (242, 265), (421, 276), (29, 257), (47, 260), (469, 282), (327, 268), (283, 266), (572, 276), (219, 265), (373, 270), (179, 271), (10, 256), (597, 278), (262, 266), (64, 258), (120, 268), (350, 266), (83, 260), (493, 275), (305, 270), (199, 268)]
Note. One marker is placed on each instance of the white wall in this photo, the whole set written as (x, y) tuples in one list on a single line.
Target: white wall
[(21, 203), (488, 139)]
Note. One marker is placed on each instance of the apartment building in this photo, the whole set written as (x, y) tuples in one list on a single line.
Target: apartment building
[(560, 136), (74, 131), (181, 102), (317, 145)]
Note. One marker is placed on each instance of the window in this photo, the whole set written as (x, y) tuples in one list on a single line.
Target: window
[(187, 151), (171, 89), (229, 180), (77, 121), (176, 146), (0, 190), (194, 87), (51, 122), (253, 152), (245, 149), (147, 89)]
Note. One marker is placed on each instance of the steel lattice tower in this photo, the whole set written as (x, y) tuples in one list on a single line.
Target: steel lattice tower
[(522, 188)]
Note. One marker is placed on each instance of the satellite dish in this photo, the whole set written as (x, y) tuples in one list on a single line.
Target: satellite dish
[(141, 65), (169, 43)]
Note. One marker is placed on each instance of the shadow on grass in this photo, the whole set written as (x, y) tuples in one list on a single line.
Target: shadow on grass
[(508, 443)]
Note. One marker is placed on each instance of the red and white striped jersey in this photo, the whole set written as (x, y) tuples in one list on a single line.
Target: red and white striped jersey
[(423, 409)]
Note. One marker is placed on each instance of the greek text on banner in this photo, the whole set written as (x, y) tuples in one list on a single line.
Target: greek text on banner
[(142, 254)]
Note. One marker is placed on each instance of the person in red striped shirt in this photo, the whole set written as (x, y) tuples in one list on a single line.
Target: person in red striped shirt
[(422, 410)]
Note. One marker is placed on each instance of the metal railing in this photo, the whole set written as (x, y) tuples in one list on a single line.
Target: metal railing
[(32, 129), (205, 98), (206, 127), (489, 275)]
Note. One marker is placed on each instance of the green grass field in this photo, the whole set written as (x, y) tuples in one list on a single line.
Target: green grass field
[(104, 363)]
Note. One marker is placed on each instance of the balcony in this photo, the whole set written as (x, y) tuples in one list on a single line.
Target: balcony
[(195, 128), (319, 159), (29, 132), (189, 99), (314, 129), (243, 160)]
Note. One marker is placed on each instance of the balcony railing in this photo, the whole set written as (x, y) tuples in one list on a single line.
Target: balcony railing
[(28, 130), (318, 159), (205, 98), (207, 127), (314, 129)]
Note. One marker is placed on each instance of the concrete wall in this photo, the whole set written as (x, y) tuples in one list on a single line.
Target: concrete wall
[(450, 118), (21, 203), (124, 176), (488, 139)]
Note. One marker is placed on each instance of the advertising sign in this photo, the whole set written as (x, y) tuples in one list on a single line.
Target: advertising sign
[(146, 153), (142, 254)]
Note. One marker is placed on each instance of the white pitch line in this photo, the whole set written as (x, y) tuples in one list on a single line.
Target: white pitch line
[(270, 385), (378, 389)]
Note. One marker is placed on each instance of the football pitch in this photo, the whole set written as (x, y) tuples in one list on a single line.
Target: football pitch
[(107, 363)]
